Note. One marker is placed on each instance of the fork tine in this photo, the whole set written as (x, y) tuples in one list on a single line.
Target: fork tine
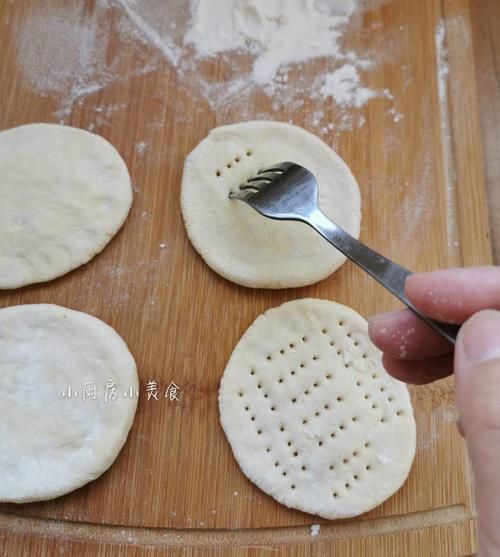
[(258, 179), (243, 195), (278, 167), (268, 175), (254, 184), (264, 177), (269, 170)]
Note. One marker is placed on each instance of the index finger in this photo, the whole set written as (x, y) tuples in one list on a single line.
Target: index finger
[(454, 295)]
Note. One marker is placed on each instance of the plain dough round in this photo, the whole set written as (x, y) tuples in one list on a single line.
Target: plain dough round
[(51, 444), (311, 415), (237, 242), (64, 194)]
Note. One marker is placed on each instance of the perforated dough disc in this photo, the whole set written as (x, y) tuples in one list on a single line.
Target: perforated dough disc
[(242, 245), (312, 417), (52, 443), (64, 194)]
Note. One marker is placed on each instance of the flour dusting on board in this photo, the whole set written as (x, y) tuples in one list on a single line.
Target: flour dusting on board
[(277, 33), (57, 51), (446, 147), (345, 88), (64, 51), (315, 528)]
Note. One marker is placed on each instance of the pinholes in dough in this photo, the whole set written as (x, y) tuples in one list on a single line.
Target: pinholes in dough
[(242, 245), (312, 417)]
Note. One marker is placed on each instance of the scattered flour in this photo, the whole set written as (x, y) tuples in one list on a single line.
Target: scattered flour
[(450, 413), (57, 50), (442, 61), (383, 457), (278, 33), (140, 148), (396, 115), (142, 29), (345, 88), (446, 146), (315, 528), (262, 45)]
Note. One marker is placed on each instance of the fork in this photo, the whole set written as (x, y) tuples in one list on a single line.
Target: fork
[(288, 191)]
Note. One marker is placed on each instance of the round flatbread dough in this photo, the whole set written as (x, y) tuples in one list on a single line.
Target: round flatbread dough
[(55, 435), (236, 241), (311, 415), (64, 194)]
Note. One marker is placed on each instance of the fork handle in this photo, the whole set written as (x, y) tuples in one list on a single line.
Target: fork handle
[(386, 272)]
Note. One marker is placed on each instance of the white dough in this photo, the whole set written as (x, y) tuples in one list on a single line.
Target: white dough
[(236, 241), (311, 415), (64, 193), (51, 444)]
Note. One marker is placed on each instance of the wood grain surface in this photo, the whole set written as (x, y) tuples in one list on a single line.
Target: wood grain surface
[(485, 17), (175, 488)]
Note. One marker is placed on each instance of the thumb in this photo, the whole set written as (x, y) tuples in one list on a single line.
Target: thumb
[(477, 379)]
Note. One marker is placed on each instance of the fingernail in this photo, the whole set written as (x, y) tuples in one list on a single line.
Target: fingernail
[(384, 318), (378, 325), (481, 337)]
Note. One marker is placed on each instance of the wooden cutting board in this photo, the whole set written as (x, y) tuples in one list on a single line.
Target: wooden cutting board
[(175, 489)]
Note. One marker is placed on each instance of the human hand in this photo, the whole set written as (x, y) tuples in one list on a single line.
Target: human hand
[(414, 353)]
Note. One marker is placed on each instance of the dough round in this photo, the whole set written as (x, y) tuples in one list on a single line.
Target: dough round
[(51, 443), (64, 194), (311, 415), (236, 241)]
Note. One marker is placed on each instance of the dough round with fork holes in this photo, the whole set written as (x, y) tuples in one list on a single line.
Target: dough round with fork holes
[(312, 417), (236, 241)]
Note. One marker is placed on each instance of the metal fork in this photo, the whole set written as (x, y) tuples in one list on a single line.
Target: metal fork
[(288, 191)]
